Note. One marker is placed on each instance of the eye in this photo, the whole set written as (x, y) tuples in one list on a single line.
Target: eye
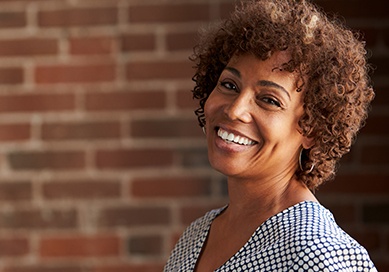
[(271, 101), (227, 85)]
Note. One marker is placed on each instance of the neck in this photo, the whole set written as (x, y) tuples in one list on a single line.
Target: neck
[(260, 200)]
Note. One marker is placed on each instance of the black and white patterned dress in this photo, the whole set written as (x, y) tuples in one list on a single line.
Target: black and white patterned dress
[(304, 237)]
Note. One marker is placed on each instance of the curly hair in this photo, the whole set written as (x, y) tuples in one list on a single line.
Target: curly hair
[(329, 57)]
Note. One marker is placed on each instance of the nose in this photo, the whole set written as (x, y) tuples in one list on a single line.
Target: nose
[(240, 108)]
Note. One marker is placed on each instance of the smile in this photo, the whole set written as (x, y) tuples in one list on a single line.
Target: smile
[(231, 138)]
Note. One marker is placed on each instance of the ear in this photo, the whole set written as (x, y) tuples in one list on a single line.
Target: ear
[(308, 142)]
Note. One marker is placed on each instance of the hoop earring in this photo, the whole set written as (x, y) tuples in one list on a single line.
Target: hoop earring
[(301, 165)]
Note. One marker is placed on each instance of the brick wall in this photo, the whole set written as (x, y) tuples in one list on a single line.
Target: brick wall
[(102, 164)]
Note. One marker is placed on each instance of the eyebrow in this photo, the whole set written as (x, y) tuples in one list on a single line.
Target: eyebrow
[(263, 83), (267, 83)]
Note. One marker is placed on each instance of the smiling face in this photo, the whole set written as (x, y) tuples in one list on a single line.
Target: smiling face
[(252, 119)]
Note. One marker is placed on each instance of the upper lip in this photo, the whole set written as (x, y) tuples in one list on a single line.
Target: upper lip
[(235, 132)]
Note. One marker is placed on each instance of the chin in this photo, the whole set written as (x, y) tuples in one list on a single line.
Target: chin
[(225, 168)]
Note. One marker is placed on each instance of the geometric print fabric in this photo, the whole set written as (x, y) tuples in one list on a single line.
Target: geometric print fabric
[(304, 237)]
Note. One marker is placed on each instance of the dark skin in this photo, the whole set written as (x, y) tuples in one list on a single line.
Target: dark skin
[(232, 229), (260, 108)]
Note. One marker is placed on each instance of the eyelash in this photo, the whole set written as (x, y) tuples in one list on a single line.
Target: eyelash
[(272, 101), (234, 88), (225, 83)]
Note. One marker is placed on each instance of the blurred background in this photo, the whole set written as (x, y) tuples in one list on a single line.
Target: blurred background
[(102, 164)]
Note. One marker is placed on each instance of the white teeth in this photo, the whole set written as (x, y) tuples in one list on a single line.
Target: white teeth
[(232, 138)]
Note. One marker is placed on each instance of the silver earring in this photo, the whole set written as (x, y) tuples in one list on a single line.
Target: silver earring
[(204, 130), (301, 165)]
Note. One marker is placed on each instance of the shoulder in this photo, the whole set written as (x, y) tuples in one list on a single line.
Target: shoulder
[(188, 248), (305, 237), (200, 226), (331, 254), (322, 244), (309, 220)]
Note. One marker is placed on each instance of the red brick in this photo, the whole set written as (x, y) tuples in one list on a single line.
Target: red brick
[(12, 246), (31, 206), (381, 65), (375, 154), (357, 9), (125, 101), (386, 36), (36, 102), (193, 157), (184, 100), (138, 42), (181, 41), (177, 187), (82, 190), (79, 246), (168, 13), (81, 131), (173, 239), (15, 132), (39, 160), (356, 184), (370, 35), (343, 213), (350, 157), (41, 267), (38, 219), (15, 191), (377, 125), (87, 73), (12, 19), (91, 46), (147, 267), (190, 213), (376, 213), (78, 17), (369, 239), (36, 46), (166, 128), (130, 216), (382, 97), (226, 9), (139, 70), (5, 1), (133, 158), (382, 264), (11, 75), (145, 246)]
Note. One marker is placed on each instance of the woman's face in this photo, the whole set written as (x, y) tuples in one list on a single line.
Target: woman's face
[(252, 119)]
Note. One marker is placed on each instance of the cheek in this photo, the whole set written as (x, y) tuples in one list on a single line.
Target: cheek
[(210, 105), (279, 128)]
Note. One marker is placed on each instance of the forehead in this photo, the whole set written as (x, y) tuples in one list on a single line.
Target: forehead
[(252, 67), (276, 60)]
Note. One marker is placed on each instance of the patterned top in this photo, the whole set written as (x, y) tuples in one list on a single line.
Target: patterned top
[(304, 237)]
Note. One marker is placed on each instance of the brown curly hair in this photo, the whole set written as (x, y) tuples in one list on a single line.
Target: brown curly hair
[(326, 54)]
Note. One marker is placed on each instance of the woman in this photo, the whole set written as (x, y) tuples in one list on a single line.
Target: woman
[(283, 91)]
